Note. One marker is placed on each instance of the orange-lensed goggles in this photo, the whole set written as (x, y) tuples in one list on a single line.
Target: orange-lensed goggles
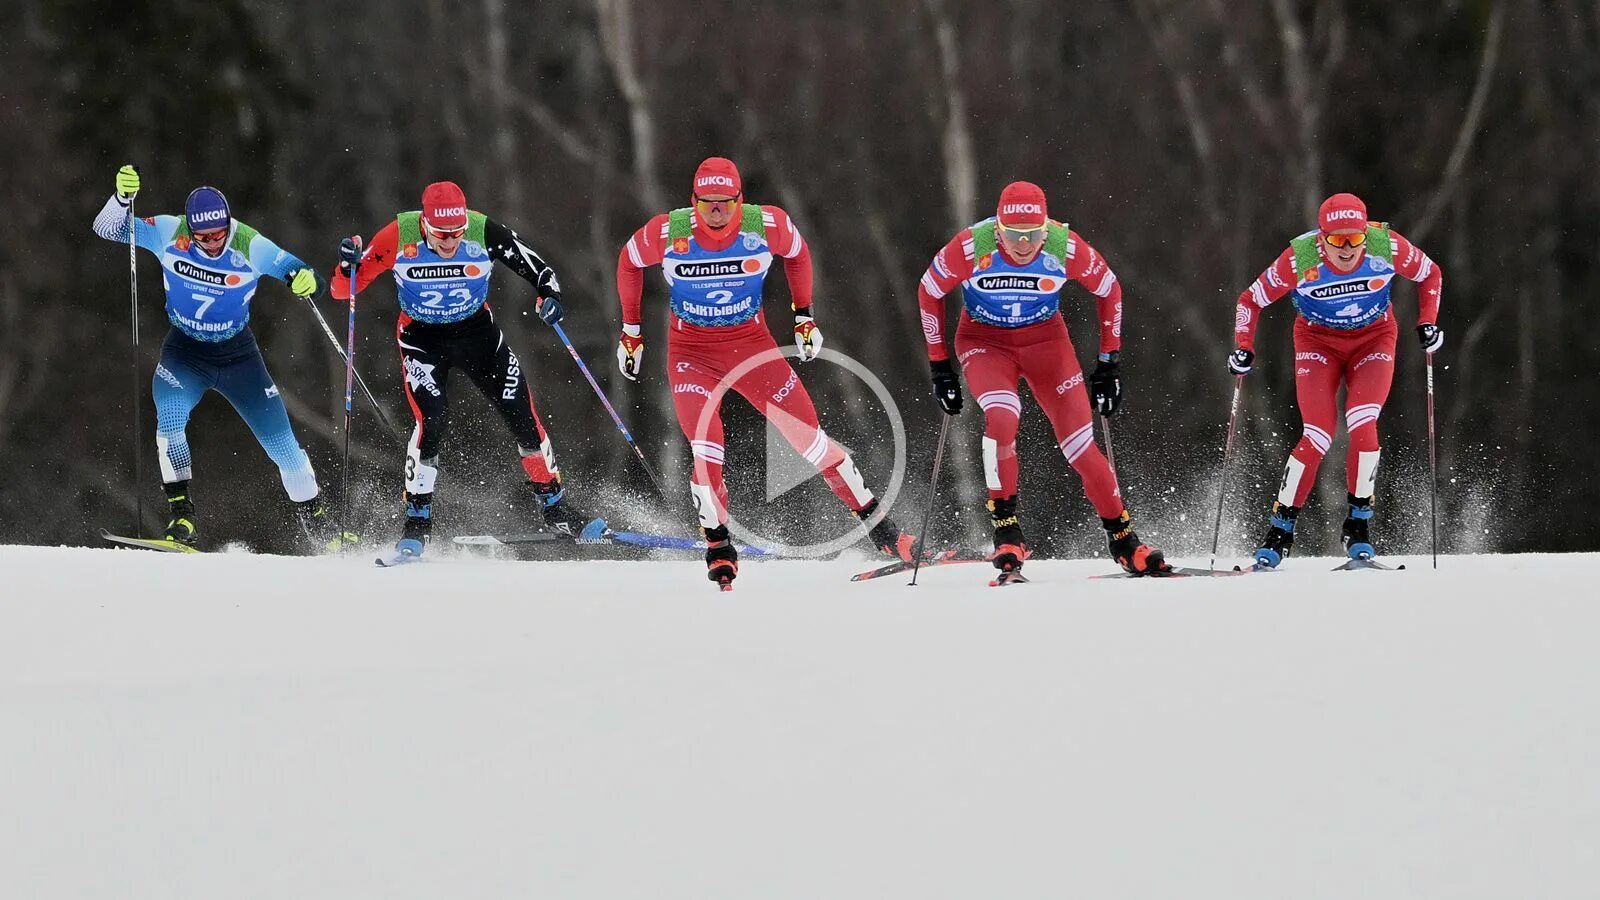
[(1026, 233), (210, 237), (705, 205), (1346, 240), (445, 234)]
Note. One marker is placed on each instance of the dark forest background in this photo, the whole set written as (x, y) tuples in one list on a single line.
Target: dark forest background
[(1187, 139)]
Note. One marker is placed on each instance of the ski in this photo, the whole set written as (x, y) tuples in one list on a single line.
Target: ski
[(160, 545), (1367, 562), (397, 558), (629, 538), (1175, 572), (1005, 579), (942, 558)]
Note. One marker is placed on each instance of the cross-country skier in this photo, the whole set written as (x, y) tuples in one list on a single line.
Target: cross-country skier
[(715, 256), (1011, 269), (442, 257), (211, 265), (1340, 275)]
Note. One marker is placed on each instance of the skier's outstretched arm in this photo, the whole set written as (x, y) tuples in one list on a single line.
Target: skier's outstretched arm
[(644, 249), (112, 221), (506, 248), (376, 258)]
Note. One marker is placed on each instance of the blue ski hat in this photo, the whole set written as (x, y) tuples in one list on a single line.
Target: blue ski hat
[(206, 209)]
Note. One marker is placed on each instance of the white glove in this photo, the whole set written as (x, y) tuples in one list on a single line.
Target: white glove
[(630, 352), (807, 337)]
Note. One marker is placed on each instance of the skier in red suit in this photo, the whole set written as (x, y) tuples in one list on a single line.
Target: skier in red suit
[(715, 256), (1011, 269), (1340, 275)]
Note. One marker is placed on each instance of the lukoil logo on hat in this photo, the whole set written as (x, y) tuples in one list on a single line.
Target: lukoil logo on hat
[(1342, 212), (718, 175), (444, 205), (206, 209), (1022, 204)]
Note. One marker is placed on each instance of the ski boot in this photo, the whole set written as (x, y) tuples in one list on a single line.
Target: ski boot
[(322, 533), (562, 517), (180, 527), (418, 528), (887, 536), (1133, 555), (1280, 537), (722, 559), (1009, 548), (1356, 543)]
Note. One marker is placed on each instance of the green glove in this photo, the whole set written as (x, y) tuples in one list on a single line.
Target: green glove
[(127, 182), (303, 283)]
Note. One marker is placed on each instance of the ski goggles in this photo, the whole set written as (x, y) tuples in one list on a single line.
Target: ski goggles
[(1346, 240), (210, 237), (1028, 233), (707, 205), (445, 234)]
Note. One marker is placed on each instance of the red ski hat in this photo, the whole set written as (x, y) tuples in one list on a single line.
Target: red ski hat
[(1342, 212), (717, 176), (1022, 205), (444, 206)]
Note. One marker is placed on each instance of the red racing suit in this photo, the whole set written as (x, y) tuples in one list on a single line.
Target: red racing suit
[(994, 356), (1326, 354), (715, 278)]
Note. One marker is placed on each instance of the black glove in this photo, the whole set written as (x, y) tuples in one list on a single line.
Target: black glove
[(1240, 361), (549, 308), (350, 250), (946, 387), (1431, 336), (1104, 385)]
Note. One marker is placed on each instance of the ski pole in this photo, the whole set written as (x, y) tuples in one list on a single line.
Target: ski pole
[(138, 398), (1111, 456), (933, 491), (349, 407), (1433, 466), (1227, 450), (628, 435), (382, 416)]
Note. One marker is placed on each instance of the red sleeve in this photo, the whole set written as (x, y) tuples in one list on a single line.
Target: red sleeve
[(376, 260), (643, 250), (1268, 288), (785, 240), (1410, 261), (1087, 267), (951, 266)]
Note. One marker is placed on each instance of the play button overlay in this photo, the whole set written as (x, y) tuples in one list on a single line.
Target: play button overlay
[(786, 469)]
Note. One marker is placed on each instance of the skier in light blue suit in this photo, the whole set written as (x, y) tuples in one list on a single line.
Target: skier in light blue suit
[(211, 265)]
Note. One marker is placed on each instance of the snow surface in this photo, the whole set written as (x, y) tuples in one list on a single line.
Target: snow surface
[(237, 726)]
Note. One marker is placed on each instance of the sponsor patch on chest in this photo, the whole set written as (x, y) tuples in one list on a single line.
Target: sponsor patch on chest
[(440, 271), (1018, 281)]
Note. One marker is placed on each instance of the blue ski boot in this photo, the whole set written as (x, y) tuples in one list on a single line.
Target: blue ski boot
[(1356, 543), (1280, 537), (418, 528)]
